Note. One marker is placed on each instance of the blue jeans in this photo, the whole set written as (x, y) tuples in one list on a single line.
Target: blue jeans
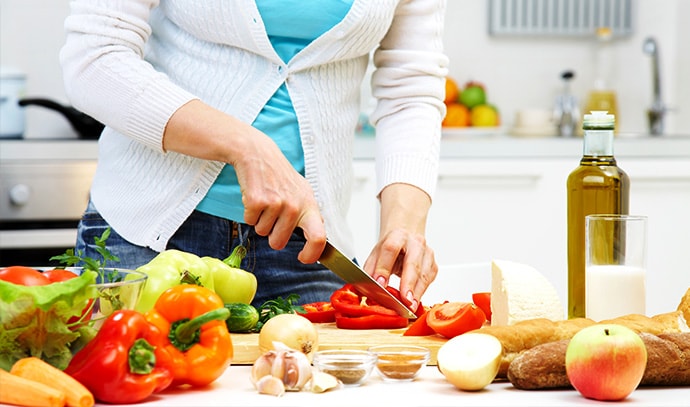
[(278, 272)]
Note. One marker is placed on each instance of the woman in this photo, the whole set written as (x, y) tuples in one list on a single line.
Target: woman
[(233, 122)]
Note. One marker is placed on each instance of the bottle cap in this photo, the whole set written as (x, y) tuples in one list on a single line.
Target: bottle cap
[(599, 119)]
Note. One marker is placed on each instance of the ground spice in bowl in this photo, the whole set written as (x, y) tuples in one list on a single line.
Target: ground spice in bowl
[(351, 367), (400, 362)]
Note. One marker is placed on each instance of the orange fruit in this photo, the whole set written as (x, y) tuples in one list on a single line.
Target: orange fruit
[(452, 91), (457, 115)]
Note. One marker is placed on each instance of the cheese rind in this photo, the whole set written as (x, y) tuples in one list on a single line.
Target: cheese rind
[(520, 292)]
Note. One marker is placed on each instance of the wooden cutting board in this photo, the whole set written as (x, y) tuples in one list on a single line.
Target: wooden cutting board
[(246, 346)]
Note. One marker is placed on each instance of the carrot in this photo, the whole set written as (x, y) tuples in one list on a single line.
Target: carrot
[(35, 369), (25, 392)]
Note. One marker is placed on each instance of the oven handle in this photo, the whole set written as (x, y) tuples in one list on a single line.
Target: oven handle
[(37, 238)]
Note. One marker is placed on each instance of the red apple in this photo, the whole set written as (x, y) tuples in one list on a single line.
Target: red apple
[(605, 361)]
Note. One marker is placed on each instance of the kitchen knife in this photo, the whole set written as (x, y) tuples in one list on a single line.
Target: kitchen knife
[(349, 271)]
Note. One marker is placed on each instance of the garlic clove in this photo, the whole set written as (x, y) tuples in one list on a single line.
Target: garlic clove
[(322, 381), (270, 385), (297, 371)]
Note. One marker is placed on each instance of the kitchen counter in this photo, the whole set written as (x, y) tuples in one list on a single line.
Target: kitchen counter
[(429, 389), (469, 145)]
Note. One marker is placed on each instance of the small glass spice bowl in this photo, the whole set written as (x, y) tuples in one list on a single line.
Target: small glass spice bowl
[(400, 363), (351, 367)]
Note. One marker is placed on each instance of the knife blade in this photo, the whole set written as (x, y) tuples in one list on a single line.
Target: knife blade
[(348, 270)]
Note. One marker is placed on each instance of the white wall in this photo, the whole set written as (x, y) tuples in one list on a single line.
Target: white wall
[(518, 72), (522, 72)]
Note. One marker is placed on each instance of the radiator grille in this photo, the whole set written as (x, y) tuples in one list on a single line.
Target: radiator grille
[(560, 17)]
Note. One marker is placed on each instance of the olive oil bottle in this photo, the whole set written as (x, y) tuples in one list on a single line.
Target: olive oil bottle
[(596, 186)]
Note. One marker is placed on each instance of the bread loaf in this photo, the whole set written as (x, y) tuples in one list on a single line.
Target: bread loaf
[(543, 367), (528, 334)]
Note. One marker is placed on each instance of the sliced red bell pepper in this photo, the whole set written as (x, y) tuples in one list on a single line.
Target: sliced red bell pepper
[(319, 312), (122, 363), (347, 301), (370, 321)]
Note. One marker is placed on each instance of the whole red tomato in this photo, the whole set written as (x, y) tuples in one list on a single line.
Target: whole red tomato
[(455, 318), (57, 275), (23, 276)]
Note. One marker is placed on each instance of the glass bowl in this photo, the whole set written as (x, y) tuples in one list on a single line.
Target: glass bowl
[(396, 363), (116, 289), (351, 367)]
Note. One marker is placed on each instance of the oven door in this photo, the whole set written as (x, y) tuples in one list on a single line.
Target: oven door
[(40, 207)]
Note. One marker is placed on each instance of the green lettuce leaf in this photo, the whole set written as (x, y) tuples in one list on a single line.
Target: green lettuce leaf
[(33, 319)]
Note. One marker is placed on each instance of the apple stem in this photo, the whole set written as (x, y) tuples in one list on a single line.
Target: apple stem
[(606, 332)]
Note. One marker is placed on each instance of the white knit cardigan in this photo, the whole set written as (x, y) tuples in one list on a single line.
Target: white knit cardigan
[(132, 63)]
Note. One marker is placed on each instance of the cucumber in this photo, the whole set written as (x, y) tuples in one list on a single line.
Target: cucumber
[(243, 317)]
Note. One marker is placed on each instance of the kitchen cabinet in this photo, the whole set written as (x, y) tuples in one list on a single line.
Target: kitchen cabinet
[(510, 204)]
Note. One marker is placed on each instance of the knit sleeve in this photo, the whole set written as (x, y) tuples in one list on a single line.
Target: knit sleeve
[(105, 73), (408, 83)]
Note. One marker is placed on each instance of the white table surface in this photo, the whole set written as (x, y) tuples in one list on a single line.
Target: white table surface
[(429, 389)]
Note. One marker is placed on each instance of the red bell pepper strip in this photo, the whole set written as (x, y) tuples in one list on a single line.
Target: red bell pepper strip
[(319, 312), (371, 322), (193, 318), (347, 301), (121, 364)]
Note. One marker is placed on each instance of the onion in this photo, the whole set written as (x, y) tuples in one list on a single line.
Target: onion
[(294, 331)]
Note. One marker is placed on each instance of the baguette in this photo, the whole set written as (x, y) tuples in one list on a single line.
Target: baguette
[(543, 367), (527, 334)]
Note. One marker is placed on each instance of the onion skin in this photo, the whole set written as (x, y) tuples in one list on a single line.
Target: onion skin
[(294, 331)]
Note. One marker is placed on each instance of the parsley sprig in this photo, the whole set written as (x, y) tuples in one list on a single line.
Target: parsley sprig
[(70, 258), (271, 308)]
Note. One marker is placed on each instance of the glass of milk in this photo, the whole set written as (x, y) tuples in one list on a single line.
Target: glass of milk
[(615, 265)]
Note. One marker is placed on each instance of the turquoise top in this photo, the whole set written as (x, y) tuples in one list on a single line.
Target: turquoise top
[(291, 25)]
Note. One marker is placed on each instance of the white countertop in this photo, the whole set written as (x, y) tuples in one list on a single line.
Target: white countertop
[(429, 389), (472, 145), (453, 145)]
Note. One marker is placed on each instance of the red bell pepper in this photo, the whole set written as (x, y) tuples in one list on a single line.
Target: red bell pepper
[(319, 312), (121, 364), (198, 342), (371, 322), (355, 311), (347, 301)]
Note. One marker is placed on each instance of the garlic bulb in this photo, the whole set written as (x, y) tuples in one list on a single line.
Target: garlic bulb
[(290, 366)]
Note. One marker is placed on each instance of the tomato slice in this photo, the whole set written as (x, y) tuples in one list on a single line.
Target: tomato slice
[(483, 301), (22, 275), (419, 327), (455, 318), (319, 312)]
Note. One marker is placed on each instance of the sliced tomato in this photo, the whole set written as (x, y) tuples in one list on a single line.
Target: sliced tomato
[(483, 301), (419, 327), (22, 275), (319, 312), (370, 321), (455, 318)]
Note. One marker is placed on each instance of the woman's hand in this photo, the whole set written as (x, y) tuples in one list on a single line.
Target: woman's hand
[(277, 199), (402, 248)]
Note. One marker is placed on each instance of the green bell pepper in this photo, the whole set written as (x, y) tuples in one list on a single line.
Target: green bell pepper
[(168, 269), (232, 284)]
